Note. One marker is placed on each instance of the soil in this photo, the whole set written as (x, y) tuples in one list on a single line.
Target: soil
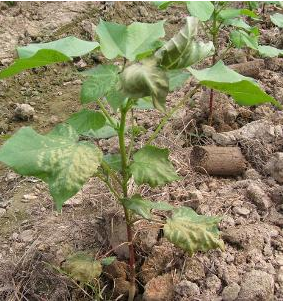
[(35, 240)]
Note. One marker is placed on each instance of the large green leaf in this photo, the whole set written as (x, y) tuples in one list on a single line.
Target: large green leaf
[(140, 80), (240, 39), (57, 158), (128, 41), (239, 23), (152, 166), (200, 9), (82, 267), (143, 207), (41, 58), (86, 120), (230, 13), (269, 51), (243, 89), (177, 78), (101, 80), (277, 19), (69, 46), (107, 131), (192, 232), (182, 50)]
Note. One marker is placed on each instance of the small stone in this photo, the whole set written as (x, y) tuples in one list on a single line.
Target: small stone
[(241, 211), (143, 12), (24, 112), (194, 269), (26, 236), (11, 176), (257, 196), (208, 130), (54, 119), (279, 260), (28, 197), (252, 174), (213, 283), (230, 292), (274, 167), (160, 288), (2, 211), (15, 236), (187, 288), (257, 285)]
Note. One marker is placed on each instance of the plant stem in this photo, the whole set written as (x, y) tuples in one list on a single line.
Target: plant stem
[(121, 134), (103, 109), (130, 149), (165, 119), (214, 32)]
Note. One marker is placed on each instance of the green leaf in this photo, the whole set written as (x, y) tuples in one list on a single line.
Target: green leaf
[(177, 78), (233, 13), (140, 80), (277, 19), (108, 260), (82, 267), (200, 9), (152, 166), (114, 161), (103, 79), (69, 46), (86, 120), (237, 23), (144, 103), (164, 4), (128, 41), (41, 58), (192, 232), (182, 50), (57, 158), (241, 39), (115, 99), (107, 131), (241, 88), (269, 51), (143, 207)]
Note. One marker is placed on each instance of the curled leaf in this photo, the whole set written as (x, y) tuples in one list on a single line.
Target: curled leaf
[(140, 80), (192, 232), (182, 50)]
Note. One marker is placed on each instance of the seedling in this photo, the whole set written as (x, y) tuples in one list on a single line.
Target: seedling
[(217, 15), (151, 69)]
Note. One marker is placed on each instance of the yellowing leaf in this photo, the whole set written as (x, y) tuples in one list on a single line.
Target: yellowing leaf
[(57, 158), (152, 166), (192, 232), (82, 267)]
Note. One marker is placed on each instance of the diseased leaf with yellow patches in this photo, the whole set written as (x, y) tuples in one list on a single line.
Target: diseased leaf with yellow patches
[(57, 158), (82, 267), (192, 232)]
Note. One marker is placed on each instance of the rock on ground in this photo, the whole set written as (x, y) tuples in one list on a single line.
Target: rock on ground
[(160, 288), (231, 292), (24, 112), (257, 196), (256, 286), (274, 167)]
